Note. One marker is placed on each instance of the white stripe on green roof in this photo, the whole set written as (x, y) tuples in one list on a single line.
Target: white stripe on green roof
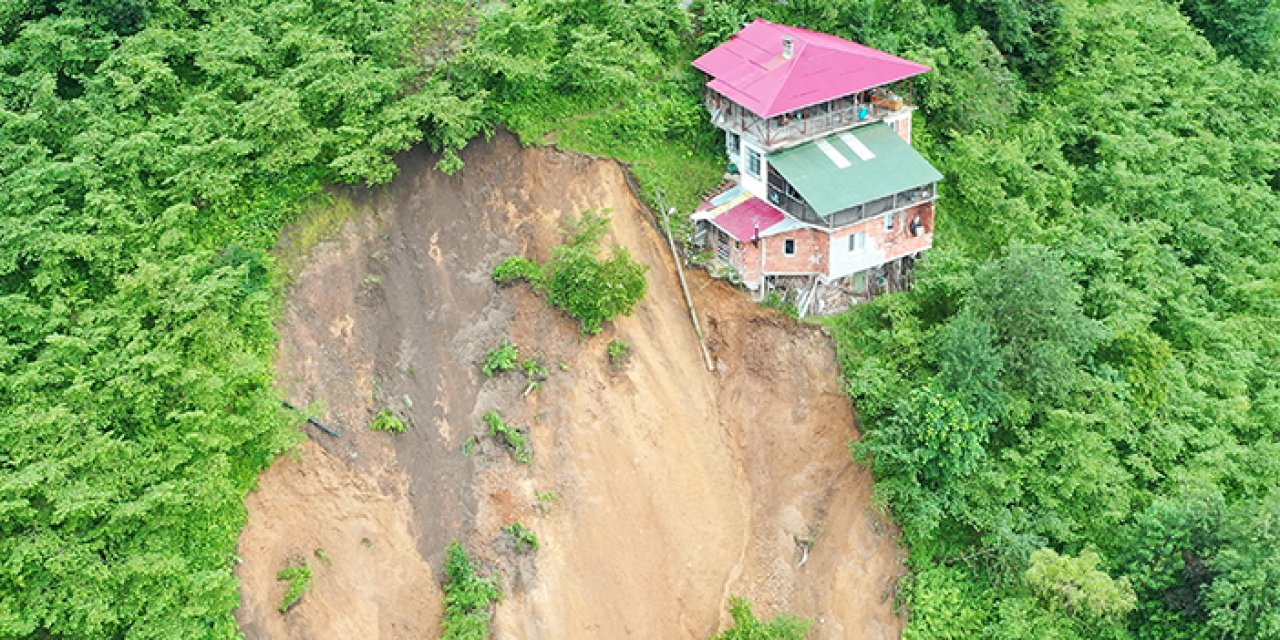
[(856, 145), (835, 157)]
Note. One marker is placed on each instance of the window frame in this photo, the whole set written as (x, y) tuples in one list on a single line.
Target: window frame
[(754, 158)]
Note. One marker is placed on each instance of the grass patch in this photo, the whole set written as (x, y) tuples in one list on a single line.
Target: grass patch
[(664, 135), (321, 219), (546, 499), (510, 436), (298, 575), (775, 301), (468, 598)]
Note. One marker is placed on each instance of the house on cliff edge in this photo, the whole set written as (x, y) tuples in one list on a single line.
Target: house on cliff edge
[(826, 186)]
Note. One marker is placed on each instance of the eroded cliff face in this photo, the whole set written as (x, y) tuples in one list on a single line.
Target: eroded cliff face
[(674, 487)]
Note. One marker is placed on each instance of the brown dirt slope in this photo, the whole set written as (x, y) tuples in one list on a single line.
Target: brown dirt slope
[(674, 487)]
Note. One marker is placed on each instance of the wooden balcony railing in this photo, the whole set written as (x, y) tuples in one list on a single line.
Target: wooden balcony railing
[(807, 124)]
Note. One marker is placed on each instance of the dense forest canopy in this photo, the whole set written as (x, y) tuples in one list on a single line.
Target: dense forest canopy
[(1073, 415)]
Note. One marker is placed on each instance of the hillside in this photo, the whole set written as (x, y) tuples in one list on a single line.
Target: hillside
[(1079, 391), (675, 487)]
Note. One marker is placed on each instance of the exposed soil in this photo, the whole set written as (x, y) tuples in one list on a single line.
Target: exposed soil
[(674, 487)]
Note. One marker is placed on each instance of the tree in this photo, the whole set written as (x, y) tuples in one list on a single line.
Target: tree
[(1241, 602), (1246, 29), (1031, 303), (1078, 585)]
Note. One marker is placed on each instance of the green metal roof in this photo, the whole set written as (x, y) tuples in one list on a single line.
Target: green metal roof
[(849, 168)]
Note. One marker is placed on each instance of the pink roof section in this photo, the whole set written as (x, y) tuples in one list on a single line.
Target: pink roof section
[(750, 70), (746, 221)]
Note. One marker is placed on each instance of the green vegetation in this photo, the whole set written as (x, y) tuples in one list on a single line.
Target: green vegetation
[(150, 154), (387, 420), (1077, 585), (501, 359), (588, 288), (298, 575), (619, 353), (577, 281), (1077, 400), (546, 499), (773, 300), (523, 538), (520, 269), (468, 598), (1075, 409), (534, 369), (747, 627), (510, 436), (607, 78)]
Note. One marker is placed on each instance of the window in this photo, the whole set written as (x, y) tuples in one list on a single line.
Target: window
[(733, 143), (789, 247), (858, 241), (889, 221), (753, 163)]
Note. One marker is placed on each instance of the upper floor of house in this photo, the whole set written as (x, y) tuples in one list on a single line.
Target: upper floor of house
[(778, 86)]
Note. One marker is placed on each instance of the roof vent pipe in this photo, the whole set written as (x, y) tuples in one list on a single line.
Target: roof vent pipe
[(788, 47)]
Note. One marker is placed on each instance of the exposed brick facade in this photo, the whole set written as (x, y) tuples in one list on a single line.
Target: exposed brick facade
[(832, 254)]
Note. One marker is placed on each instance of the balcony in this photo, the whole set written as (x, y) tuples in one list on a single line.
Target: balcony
[(806, 124)]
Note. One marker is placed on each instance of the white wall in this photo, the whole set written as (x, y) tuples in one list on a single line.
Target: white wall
[(755, 185), (843, 262)]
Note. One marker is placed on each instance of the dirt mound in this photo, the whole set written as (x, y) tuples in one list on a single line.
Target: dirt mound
[(657, 489)]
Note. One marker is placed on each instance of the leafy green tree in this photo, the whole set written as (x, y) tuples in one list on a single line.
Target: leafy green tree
[(1078, 585), (1246, 29), (969, 365), (921, 452), (946, 604), (1241, 600), (1030, 301)]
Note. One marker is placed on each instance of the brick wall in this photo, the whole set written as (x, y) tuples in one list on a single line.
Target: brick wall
[(831, 254)]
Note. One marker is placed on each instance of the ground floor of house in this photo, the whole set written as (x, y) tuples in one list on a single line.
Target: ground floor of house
[(752, 242)]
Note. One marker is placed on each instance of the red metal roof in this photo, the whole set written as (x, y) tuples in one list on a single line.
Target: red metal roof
[(750, 69), (749, 219)]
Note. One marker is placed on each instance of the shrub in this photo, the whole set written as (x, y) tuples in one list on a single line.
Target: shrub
[(619, 353), (546, 499), (588, 288), (578, 281), (516, 268), (468, 598), (747, 627), (522, 537), (387, 420), (502, 359), (535, 370), (298, 575), (508, 435), (775, 301)]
